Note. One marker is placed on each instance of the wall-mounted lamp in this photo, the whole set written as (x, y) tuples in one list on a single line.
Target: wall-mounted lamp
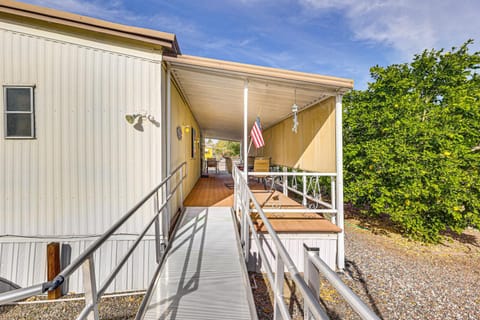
[(186, 128), (136, 119)]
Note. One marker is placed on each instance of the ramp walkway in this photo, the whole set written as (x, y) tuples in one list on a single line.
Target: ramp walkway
[(204, 275)]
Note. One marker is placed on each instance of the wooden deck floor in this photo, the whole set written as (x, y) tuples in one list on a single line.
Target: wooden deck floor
[(214, 191), (217, 191)]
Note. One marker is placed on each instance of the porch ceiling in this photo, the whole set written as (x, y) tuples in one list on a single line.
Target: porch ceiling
[(214, 91)]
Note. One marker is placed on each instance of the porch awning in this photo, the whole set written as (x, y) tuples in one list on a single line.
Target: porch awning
[(214, 91)]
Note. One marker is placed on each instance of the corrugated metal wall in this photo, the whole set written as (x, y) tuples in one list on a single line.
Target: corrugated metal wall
[(87, 166), (294, 245), (25, 262)]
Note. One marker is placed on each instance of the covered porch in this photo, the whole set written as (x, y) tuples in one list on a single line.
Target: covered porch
[(226, 98)]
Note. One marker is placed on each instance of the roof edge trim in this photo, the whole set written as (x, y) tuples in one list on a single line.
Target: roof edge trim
[(341, 84), (167, 40)]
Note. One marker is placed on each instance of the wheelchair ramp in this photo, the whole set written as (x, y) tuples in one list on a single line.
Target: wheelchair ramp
[(204, 275)]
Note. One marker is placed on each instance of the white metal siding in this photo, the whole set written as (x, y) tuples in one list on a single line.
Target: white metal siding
[(25, 263), (87, 166), (294, 245)]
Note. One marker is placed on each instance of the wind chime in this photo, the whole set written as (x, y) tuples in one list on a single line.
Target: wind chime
[(295, 113)]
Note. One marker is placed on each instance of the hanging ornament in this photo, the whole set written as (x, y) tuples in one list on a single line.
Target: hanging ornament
[(295, 114)]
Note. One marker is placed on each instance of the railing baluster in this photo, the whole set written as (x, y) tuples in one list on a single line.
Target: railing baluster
[(304, 191), (285, 182), (90, 287), (332, 196), (311, 276), (278, 287), (158, 247)]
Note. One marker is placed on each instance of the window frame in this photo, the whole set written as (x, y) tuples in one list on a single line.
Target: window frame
[(31, 112)]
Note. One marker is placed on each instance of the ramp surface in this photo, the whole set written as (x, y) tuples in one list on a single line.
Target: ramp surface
[(204, 276)]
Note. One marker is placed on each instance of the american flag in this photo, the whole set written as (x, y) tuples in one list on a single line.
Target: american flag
[(256, 134)]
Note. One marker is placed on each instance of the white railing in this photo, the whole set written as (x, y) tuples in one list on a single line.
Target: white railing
[(314, 266), (309, 181), (85, 259), (246, 203), (243, 199)]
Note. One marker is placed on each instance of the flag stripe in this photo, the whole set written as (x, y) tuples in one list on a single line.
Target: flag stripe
[(256, 134)]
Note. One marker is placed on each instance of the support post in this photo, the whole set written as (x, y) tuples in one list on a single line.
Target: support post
[(245, 129), (168, 120), (278, 289), (339, 184), (53, 267), (311, 276), (90, 287), (285, 182)]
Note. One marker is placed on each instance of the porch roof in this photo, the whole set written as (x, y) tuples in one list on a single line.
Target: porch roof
[(214, 90)]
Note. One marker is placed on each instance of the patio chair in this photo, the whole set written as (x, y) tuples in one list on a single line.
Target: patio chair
[(212, 163), (262, 165), (229, 164)]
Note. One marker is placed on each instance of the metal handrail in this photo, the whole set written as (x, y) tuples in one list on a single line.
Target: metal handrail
[(282, 257), (304, 194), (22, 293), (352, 299)]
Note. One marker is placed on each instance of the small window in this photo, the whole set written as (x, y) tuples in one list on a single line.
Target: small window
[(19, 112)]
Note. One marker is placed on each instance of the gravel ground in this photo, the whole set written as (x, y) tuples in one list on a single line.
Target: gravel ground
[(397, 278), (117, 308)]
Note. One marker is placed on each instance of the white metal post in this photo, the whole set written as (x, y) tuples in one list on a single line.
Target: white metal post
[(339, 184), (278, 289), (90, 287), (332, 195), (158, 241), (285, 182), (168, 116), (304, 193), (312, 278), (245, 129)]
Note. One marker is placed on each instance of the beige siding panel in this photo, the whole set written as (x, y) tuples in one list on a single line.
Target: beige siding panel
[(181, 149), (87, 166), (312, 148)]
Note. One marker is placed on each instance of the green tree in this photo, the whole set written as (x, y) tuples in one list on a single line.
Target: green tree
[(410, 143), (227, 148)]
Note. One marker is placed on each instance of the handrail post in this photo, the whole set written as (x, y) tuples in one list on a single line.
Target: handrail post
[(332, 196), (278, 287), (181, 186), (90, 287), (311, 276), (234, 188), (285, 182), (304, 193), (158, 244), (246, 233)]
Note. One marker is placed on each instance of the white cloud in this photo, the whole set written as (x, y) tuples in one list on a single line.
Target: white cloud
[(409, 26)]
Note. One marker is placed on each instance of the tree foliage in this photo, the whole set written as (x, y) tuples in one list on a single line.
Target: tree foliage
[(227, 148), (410, 143)]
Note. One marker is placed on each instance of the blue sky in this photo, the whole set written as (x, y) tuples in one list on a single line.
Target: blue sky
[(333, 37)]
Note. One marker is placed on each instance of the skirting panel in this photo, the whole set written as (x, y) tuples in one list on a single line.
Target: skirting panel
[(23, 263), (293, 242)]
